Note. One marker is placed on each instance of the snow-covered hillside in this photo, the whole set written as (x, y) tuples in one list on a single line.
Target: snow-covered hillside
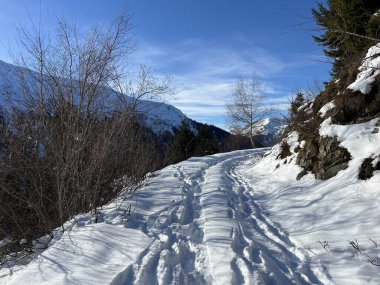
[(233, 218), (269, 131), (336, 220), (326, 218), (160, 117)]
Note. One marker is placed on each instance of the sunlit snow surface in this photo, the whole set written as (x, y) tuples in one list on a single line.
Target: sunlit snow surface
[(368, 71), (336, 211), (233, 218), (225, 219), (327, 107)]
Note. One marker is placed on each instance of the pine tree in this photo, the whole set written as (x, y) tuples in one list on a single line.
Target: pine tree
[(345, 26), (297, 102), (205, 142), (187, 144), (183, 145)]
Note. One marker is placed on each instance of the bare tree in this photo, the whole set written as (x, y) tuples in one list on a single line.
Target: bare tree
[(245, 109), (68, 135), (144, 87)]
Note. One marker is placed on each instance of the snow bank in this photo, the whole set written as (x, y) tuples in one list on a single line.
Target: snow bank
[(369, 69), (322, 217), (92, 254), (327, 107), (359, 139)]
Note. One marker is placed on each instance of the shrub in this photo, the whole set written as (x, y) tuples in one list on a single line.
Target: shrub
[(284, 150), (66, 137)]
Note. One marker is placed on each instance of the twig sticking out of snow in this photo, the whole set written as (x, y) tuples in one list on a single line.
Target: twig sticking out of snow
[(369, 259), (325, 244)]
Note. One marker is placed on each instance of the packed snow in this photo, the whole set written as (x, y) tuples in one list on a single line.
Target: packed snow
[(194, 223)]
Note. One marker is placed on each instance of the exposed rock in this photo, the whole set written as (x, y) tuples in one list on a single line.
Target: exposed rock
[(324, 157), (355, 107), (366, 169), (301, 174), (333, 170), (285, 150)]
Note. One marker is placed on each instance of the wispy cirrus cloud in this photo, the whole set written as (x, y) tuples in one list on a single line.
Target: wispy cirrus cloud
[(205, 73)]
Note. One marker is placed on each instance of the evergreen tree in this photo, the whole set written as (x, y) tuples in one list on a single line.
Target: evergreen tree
[(345, 29), (186, 144), (183, 145), (205, 142), (297, 102)]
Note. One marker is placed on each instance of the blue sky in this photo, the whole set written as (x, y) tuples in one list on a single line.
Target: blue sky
[(205, 45)]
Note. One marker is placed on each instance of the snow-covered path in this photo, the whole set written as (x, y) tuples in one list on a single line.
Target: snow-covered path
[(216, 234), (194, 223)]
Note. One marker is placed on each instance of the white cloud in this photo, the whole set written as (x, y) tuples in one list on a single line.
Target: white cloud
[(205, 73)]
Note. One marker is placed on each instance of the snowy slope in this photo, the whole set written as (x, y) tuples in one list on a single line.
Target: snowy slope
[(233, 218), (333, 213), (159, 117), (334, 222), (368, 71)]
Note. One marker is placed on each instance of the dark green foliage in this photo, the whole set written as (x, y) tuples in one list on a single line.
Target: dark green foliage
[(186, 144), (348, 29), (297, 102), (347, 26), (236, 142), (183, 145), (2, 132), (205, 142)]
